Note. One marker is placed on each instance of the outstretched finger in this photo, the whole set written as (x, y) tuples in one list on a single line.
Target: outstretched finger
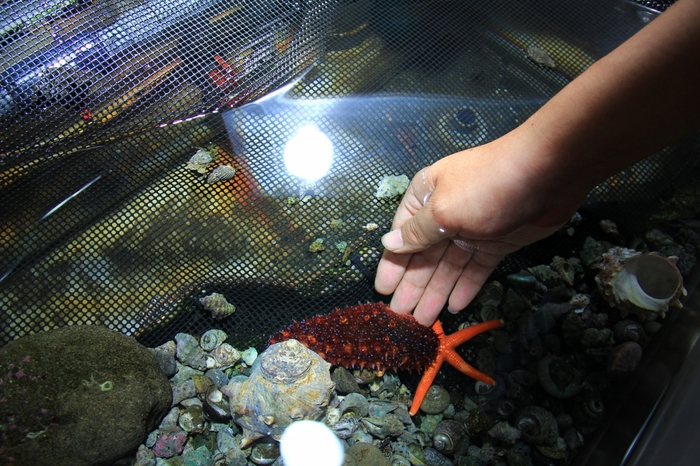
[(416, 277), (441, 284), (472, 279)]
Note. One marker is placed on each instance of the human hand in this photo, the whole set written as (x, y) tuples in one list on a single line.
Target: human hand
[(458, 219), (463, 214)]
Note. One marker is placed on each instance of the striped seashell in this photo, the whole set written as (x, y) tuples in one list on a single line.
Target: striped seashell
[(221, 173)]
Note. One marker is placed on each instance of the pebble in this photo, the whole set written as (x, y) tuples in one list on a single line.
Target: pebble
[(170, 443), (183, 390)]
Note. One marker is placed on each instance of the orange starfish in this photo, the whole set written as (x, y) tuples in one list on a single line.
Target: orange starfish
[(446, 352)]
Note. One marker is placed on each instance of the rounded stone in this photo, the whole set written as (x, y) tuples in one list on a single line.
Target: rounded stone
[(436, 400), (365, 454), (79, 395)]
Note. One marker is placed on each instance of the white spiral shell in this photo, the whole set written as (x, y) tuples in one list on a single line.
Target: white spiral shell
[(640, 283)]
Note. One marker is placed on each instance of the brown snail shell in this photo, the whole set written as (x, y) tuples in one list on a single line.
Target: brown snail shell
[(640, 283), (624, 359), (389, 425), (505, 433), (288, 383), (223, 357), (192, 419), (447, 436)]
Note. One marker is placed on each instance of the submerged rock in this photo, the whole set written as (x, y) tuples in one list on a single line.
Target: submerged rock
[(79, 395), (391, 187)]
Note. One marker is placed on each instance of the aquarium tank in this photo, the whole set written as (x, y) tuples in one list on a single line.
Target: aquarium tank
[(173, 167)]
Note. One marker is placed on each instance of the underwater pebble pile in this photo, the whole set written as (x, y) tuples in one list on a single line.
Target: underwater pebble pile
[(557, 361)]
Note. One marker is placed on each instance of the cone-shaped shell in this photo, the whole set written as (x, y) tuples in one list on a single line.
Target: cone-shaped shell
[(289, 382), (640, 283)]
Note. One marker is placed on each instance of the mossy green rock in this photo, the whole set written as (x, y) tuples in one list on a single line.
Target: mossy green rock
[(76, 396)]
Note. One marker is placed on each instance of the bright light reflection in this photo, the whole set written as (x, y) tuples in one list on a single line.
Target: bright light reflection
[(309, 154)]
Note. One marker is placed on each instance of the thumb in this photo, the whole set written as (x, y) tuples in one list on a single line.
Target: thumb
[(416, 234)]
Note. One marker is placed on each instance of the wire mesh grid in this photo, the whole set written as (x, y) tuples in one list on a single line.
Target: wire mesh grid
[(105, 219)]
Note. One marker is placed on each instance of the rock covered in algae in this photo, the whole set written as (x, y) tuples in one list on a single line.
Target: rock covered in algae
[(200, 161), (79, 395), (391, 187), (317, 246), (288, 383)]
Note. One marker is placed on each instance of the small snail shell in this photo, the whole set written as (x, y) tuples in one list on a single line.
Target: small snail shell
[(221, 173), (212, 338), (447, 436), (559, 378), (217, 304), (354, 403), (537, 425), (436, 400), (624, 359), (192, 419), (223, 357), (630, 330)]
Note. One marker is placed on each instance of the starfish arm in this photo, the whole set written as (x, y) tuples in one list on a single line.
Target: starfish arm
[(425, 382), (454, 360), (446, 352), (437, 328), (457, 338)]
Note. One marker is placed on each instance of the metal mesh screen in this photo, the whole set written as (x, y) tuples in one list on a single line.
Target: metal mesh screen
[(103, 104)]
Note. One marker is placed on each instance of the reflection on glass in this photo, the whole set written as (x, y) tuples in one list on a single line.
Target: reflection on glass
[(309, 154)]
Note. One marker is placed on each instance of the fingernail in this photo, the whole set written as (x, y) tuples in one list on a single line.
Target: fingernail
[(392, 240), (451, 311)]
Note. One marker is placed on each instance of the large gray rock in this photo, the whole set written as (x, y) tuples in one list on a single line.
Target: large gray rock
[(77, 396)]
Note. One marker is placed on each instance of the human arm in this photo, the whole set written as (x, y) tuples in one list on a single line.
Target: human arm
[(522, 187)]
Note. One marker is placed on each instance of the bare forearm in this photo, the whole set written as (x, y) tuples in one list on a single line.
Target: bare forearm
[(638, 99)]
